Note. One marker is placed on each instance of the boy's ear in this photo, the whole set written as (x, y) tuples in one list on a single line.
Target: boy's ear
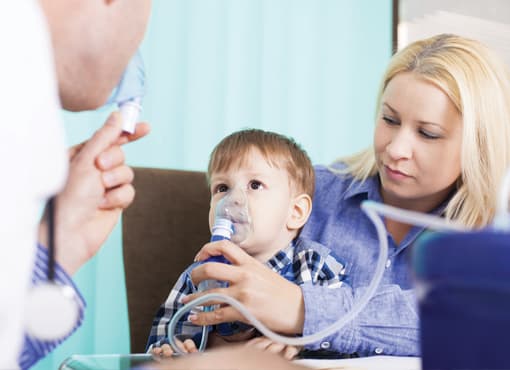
[(300, 211)]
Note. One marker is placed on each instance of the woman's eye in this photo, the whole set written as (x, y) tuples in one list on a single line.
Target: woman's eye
[(429, 135), (390, 120), (222, 188), (255, 185)]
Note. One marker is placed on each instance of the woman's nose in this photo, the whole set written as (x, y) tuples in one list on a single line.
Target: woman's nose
[(400, 145)]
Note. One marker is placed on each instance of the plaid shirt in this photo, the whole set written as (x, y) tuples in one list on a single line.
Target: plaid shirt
[(302, 262)]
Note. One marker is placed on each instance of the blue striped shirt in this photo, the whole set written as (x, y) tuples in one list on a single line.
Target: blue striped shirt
[(303, 262), (34, 349)]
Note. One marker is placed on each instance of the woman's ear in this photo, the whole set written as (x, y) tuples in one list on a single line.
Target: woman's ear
[(300, 211)]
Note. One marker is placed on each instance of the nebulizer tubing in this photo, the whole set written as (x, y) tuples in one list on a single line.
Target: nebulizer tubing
[(372, 210)]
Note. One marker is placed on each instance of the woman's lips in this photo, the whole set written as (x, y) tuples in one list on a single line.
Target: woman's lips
[(395, 174)]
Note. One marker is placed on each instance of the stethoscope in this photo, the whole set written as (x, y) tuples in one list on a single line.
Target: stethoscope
[(52, 309)]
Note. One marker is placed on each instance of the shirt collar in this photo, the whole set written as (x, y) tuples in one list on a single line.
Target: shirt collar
[(282, 258), (369, 188)]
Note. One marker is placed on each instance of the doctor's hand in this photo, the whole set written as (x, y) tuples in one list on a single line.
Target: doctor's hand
[(275, 301), (98, 188)]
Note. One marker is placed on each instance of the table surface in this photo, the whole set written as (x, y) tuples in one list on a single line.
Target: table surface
[(125, 362), (100, 362)]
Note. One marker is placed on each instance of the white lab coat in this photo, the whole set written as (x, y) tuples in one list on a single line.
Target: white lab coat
[(33, 157)]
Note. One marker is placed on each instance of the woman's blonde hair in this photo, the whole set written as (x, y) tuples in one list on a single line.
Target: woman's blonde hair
[(478, 83)]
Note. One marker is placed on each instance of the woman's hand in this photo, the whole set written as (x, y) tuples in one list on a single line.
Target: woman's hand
[(275, 301), (98, 188)]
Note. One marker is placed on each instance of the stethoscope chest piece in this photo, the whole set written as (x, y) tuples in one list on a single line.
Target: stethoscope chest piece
[(51, 311)]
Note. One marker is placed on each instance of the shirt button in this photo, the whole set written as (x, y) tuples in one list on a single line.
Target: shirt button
[(325, 345), (378, 350), (388, 263)]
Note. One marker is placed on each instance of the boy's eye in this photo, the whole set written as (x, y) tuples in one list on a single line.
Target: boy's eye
[(221, 188), (255, 185)]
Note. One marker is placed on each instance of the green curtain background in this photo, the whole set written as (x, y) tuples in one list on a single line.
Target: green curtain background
[(305, 68)]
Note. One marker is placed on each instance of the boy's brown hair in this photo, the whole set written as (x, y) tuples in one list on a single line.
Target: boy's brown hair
[(280, 151)]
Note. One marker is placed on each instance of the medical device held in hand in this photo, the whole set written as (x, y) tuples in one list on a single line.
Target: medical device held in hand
[(231, 222), (52, 309), (222, 230), (372, 210), (129, 93)]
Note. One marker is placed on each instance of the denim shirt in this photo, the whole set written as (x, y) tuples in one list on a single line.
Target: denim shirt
[(389, 324)]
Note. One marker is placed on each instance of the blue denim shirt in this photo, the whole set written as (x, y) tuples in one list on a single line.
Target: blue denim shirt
[(389, 324)]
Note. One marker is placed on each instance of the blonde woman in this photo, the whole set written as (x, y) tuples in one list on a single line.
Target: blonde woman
[(441, 146)]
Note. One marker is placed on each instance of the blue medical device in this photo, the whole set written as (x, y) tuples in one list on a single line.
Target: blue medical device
[(463, 288)]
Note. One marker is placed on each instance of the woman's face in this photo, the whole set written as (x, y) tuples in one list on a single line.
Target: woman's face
[(417, 143)]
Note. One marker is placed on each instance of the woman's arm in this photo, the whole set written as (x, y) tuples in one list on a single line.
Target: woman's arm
[(388, 325)]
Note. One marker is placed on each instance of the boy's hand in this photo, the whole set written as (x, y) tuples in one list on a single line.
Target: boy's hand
[(266, 344), (165, 351)]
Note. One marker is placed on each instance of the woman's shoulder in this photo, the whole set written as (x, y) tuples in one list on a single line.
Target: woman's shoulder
[(303, 244), (332, 176)]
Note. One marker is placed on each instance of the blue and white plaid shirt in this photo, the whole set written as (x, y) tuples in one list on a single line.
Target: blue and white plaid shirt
[(303, 262)]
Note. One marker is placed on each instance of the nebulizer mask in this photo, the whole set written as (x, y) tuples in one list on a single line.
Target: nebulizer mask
[(52, 310), (232, 222)]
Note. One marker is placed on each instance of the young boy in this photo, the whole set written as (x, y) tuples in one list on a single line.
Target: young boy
[(277, 179)]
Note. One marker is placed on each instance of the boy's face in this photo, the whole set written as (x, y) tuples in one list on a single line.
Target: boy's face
[(269, 198)]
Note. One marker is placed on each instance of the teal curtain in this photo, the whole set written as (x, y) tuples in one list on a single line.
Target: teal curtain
[(305, 68)]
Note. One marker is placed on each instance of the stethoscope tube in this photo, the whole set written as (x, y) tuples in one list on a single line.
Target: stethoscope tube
[(52, 309), (51, 239)]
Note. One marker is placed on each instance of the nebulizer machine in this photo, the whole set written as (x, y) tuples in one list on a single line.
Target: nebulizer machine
[(52, 309), (373, 210)]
